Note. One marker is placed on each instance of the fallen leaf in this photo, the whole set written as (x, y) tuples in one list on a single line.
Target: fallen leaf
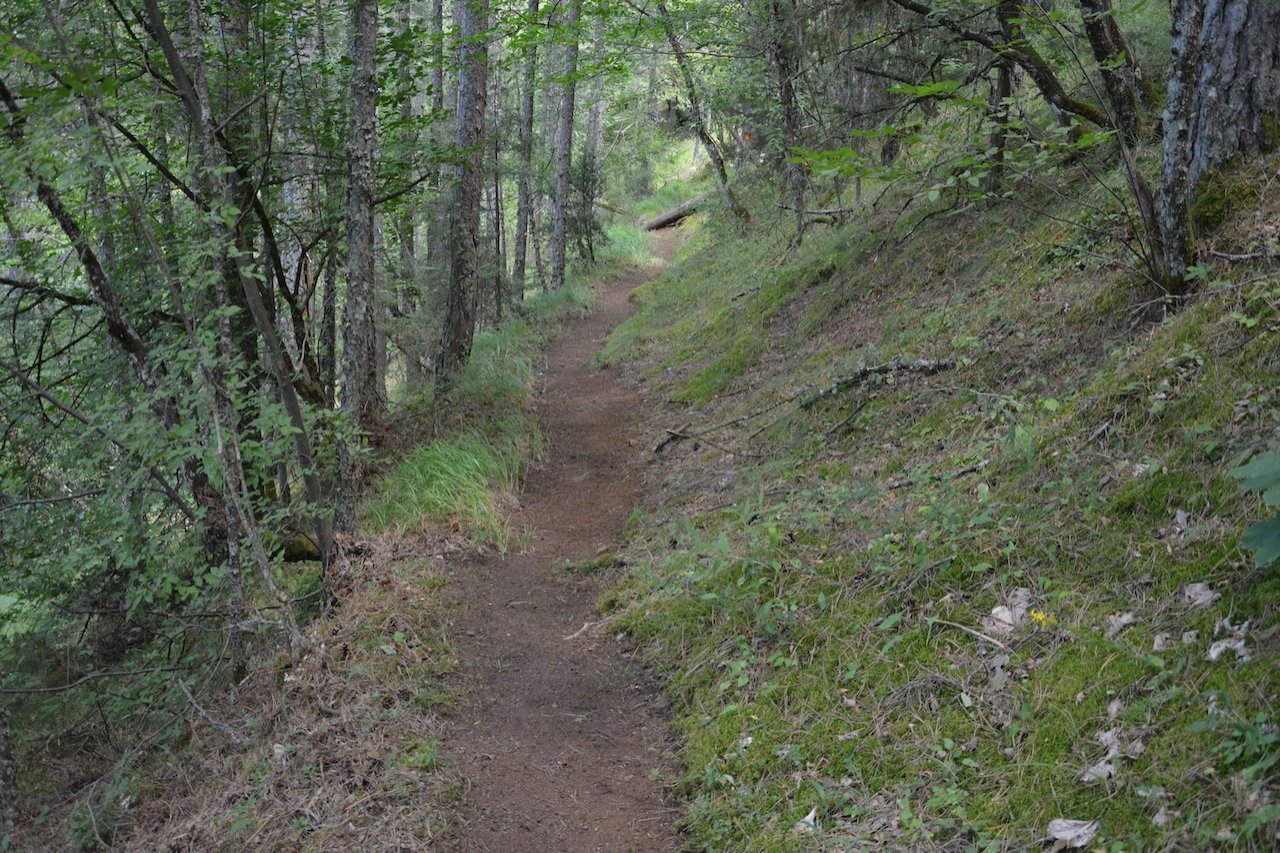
[(1000, 622), (1189, 637), (1110, 739), (1235, 644), (808, 823), (1073, 833), (1114, 707), (1163, 817), (1199, 595), (1162, 642), (1098, 772), (1004, 619), (1120, 621)]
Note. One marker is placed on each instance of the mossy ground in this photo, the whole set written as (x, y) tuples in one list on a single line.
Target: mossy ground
[(816, 582)]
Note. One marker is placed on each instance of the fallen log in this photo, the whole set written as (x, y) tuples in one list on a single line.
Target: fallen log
[(675, 214)]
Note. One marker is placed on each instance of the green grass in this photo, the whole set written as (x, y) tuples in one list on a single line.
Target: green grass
[(486, 432), (453, 480), (816, 626)]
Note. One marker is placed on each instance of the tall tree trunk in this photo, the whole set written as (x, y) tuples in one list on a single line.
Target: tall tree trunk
[(524, 193), (695, 110), (564, 150), (359, 341), (464, 275), (1172, 244), (407, 227), (784, 50), (495, 219), (593, 142)]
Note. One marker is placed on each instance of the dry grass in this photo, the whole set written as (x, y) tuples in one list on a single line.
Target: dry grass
[(338, 752)]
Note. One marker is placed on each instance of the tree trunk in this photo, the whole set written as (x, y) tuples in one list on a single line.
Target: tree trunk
[(407, 228), (564, 150), (695, 110), (329, 329), (495, 230), (359, 361), (524, 192), (1172, 245), (8, 791), (1121, 76), (784, 49), (464, 275), (535, 237), (998, 116), (1235, 106), (593, 142)]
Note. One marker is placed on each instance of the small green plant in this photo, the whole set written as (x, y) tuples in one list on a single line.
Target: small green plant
[(1261, 474)]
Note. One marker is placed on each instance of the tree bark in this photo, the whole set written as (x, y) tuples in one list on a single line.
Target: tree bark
[(329, 329), (784, 50), (1235, 106), (524, 191), (407, 227), (998, 115), (358, 390), (464, 275), (564, 151), (1121, 76), (1172, 246)]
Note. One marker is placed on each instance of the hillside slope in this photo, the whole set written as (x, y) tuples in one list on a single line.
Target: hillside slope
[(942, 547)]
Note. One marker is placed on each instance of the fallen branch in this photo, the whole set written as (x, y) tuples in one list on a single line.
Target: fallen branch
[(673, 436), (589, 626), (921, 366), (675, 214)]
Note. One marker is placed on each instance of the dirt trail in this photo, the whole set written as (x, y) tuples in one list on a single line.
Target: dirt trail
[(557, 737)]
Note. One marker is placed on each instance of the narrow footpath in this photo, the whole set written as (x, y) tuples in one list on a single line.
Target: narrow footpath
[(560, 731)]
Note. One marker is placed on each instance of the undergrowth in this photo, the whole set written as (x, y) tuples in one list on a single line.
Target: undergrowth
[(341, 749), (939, 611)]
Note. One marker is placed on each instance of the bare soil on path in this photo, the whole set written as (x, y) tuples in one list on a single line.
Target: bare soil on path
[(561, 728)]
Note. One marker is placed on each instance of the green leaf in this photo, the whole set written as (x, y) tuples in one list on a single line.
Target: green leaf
[(891, 620), (1263, 539), (1259, 474)]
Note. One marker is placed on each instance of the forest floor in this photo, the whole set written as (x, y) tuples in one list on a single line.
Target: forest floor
[(561, 728)]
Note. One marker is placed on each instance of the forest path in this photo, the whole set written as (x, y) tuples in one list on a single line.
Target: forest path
[(560, 728)]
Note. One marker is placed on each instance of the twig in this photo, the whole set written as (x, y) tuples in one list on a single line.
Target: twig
[(588, 626), (230, 733), (967, 630), (922, 366), (673, 436), (119, 673), (954, 475)]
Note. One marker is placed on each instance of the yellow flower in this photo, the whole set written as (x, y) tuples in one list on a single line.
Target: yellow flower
[(1043, 620)]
